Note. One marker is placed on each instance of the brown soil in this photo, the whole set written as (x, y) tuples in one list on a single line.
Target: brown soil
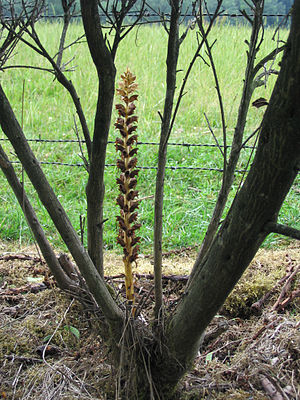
[(250, 351)]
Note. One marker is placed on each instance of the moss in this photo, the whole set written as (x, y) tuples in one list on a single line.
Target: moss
[(21, 337), (258, 280)]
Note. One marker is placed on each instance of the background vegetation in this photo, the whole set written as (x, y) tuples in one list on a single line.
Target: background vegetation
[(190, 194), (229, 6)]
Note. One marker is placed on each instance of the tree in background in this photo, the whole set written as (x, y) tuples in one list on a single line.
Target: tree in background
[(153, 356), (276, 7), (273, 7)]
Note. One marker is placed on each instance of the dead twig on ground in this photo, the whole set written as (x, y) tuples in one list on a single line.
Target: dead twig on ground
[(22, 257), (284, 298), (270, 389)]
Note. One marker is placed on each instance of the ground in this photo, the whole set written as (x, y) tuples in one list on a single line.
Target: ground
[(49, 347)]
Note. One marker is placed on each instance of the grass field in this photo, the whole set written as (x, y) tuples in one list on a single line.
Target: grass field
[(189, 194)]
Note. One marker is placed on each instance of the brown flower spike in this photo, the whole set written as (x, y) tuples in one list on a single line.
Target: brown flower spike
[(125, 144)]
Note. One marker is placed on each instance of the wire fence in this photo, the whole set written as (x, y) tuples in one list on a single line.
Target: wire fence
[(187, 18), (145, 17), (149, 16), (144, 167), (167, 15)]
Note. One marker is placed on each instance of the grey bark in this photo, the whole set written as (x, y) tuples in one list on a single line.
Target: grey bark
[(285, 230), (272, 173), (172, 58), (106, 71), (168, 120), (67, 18)]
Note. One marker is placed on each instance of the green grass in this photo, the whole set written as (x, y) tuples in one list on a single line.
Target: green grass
[(189, 194)]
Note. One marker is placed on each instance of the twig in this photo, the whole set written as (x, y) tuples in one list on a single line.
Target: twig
[(143, 300), (187, 74), (280, 302), (214, 136), (28, 67), (82, 225), (218, 89), (24, 289), (22, 359), (289, 299), (82, 156), (146, 198), (21, 257), (76, 41), (67, 5), (262, 329), (250, 136), (220, 348), (16, 379), (270, 388), (258, 304)]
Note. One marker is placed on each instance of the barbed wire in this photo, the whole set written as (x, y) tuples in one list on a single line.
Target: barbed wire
[(145, 17), (166, 15), (62, 141), (142, 167)]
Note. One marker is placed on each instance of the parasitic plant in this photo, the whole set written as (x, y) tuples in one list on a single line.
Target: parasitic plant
[(127, 199)]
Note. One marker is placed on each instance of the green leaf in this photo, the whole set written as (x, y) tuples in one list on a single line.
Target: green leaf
[(73, 330), (46, 338), (32, 279), (209, 357)]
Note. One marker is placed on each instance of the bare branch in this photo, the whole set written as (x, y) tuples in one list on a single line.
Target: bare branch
[(248, 89), (214, 136), (33, 222), (190, 25), (251, 136), (137, 20), (69, 8), (28, 28), (15, 26), (218, 89), (172, 59), (85, 161), (95, 189), (273, 227), (28, 67), (269, 57), (195, 57), (69, 86), (119, 13)]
